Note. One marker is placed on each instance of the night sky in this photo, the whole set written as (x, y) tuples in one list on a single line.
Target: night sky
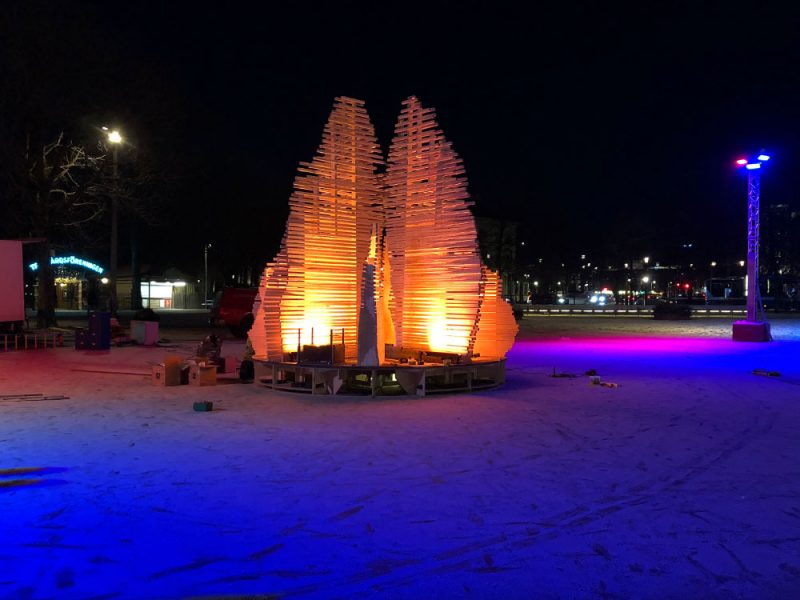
[(604, 128)]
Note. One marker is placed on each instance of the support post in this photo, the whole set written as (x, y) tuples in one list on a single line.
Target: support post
[(753, 192), (112, 275), (751, 329)]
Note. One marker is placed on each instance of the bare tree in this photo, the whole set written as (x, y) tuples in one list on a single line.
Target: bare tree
[(58, 185), (61, 192)]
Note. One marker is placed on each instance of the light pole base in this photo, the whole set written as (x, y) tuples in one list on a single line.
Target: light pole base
[(751, 331)]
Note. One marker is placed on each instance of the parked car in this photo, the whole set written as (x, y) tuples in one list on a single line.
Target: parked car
[(235, 310)]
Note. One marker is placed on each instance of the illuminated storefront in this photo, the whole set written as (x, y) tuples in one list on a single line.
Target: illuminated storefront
[(79, 283), (165, 294), (82, 285)]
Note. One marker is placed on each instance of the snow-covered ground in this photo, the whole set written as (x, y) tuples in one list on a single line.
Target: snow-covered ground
[(683, 482)]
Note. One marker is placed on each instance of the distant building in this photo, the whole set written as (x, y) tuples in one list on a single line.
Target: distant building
[(780, 241)]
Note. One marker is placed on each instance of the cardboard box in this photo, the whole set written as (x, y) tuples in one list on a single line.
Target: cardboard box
[(202, 374), (166, 375)]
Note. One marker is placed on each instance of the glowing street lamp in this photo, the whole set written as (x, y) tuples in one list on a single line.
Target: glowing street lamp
[(115, 139), (751, 329), (205, 274), (645, 281)]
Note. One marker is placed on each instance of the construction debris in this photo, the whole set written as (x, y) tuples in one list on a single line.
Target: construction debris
[(765, 373), (31, 397), (109, 372), (568, 375)]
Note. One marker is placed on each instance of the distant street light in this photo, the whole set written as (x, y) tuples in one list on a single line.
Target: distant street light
[(751, 329), (205, 280), (115, 139)]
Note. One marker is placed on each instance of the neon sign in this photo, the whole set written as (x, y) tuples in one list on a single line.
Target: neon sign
[(70, 260)]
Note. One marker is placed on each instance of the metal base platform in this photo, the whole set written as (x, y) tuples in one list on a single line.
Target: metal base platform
[(387, 380)]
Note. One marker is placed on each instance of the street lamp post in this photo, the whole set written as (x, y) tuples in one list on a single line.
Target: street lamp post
[(115, 139), (645, 281), (645, 262), (751, 329), (205, 275)]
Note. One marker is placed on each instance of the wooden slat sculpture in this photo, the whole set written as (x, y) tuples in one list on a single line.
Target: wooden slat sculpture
[(428, 289), (314, 284), (430, 232), (496, 326)]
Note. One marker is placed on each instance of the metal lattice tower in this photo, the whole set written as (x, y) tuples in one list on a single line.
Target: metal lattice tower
[(753, 192)]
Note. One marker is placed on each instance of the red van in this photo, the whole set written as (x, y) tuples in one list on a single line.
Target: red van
[(234, 310)]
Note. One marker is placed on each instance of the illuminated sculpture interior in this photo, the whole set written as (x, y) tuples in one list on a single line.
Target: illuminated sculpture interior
[(405, 241)]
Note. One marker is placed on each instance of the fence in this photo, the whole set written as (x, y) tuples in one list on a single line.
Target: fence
[(31, 341), (624, 311)]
